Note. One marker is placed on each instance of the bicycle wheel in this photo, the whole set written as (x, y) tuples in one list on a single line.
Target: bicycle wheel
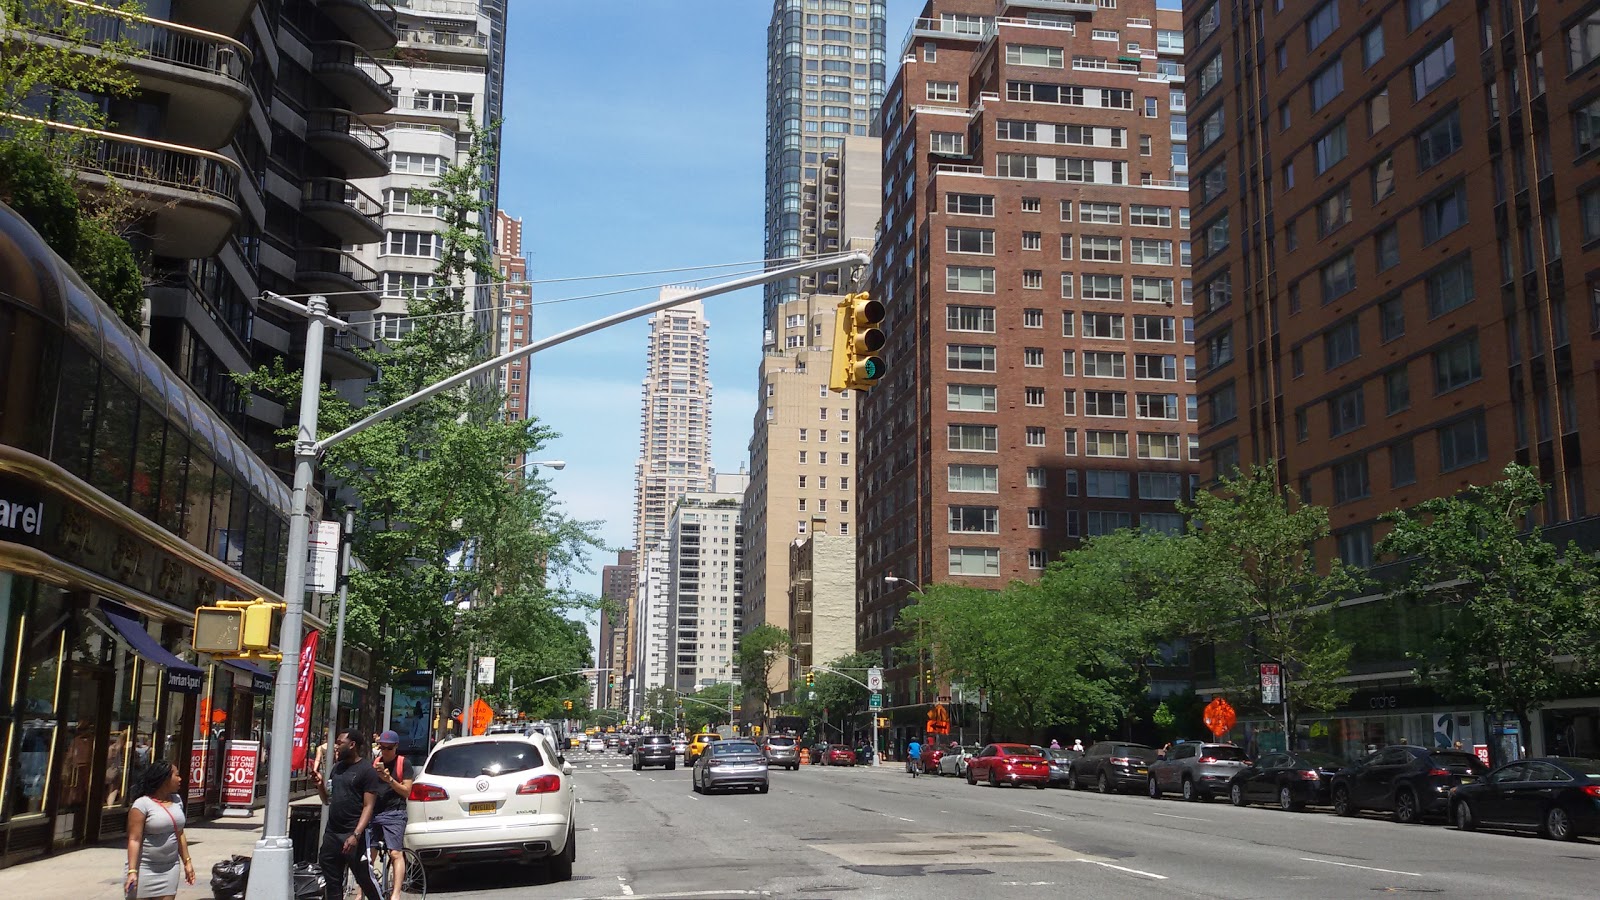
[(415, 883)]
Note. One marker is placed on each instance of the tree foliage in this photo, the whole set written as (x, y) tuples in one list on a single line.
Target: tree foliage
[(1249, 581), (460, 546), (1521, 615), (756, 664), (838, 694)]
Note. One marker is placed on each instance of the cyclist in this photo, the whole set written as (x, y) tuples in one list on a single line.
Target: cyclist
[(913, 757), (389, 817)]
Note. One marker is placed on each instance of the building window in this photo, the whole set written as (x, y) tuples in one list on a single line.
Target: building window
[(1038, 517), (1396, 390), (1103, 364), (969, 318), (1355, 547), (1463, 443), (1101, 287), (944, 91), (1456, 365), (1443, 213), (1387, 246), (1371, 45), (1583, 42), (1035, 436), (1338, 278), (1419, 11), (1382, 178), (1106, 484), (1224, 404), (969, 240), (1391, 318), (970, 358), (973, 479), (1350, 481), (968, 398), (1106, 444), (1036, 558), (974, 561), (1378, 111), (969, 279), (1105, 404), (975, 520), (1346, 412), (1032, 240), (1322, 22), (1036, 477), (1033, 318), (1433, 69), (1449, 287), (969, 204), (1438, 140), (1402, 464), (1325, 85), (1103, 522), (1341, 344), (974, 438), (947, 142), (1033, 357), (1033, 396), (1331, 148)]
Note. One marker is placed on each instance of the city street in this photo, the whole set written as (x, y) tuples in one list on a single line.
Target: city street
[(833, 832)]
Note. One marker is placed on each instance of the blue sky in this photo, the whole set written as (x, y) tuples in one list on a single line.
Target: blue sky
[(633, 141)]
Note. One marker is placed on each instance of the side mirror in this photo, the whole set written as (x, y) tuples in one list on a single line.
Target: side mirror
[(566, 768)]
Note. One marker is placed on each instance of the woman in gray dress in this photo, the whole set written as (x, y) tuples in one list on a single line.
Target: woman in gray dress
[(156, 842)]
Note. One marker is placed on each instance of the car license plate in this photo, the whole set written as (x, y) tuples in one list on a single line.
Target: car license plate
[(1468, 779), (477, 809), (1142, 771)]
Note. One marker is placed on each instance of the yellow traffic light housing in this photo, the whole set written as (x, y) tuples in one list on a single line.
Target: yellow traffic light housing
[(856, 341), (237, 628), (811, 678)]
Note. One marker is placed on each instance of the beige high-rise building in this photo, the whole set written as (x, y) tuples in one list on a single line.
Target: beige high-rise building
[(802, 450)]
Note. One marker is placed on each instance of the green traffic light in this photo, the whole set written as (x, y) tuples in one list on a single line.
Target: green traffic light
[(872, 368)]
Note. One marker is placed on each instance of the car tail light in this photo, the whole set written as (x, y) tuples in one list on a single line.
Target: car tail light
[(1312, 775), (425, 792), (1592, 790), (1206, 760), (544, 784), (1124, 761), (1439, 773)]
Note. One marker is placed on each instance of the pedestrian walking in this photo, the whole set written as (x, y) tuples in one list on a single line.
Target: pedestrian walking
[(389, 817), (913, 757), (156, 842), (351, 800), (1077, 746)]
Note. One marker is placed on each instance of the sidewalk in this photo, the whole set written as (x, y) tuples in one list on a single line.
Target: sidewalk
[(96, 872)]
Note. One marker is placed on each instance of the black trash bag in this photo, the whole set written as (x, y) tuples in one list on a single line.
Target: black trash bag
[(229, 877), (309, 883)]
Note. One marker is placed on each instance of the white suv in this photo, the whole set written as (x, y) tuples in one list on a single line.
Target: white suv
[(494, 798)]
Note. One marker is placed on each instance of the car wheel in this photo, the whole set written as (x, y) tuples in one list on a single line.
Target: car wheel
[(1153, 788), (1557, 824), (671, 766), (1406, 809), (1042, 786), (1464, 818), (993, 781), (972, 777), (636, 766), (1341, 802), (1189, 791), (1072, 780), (1286, 800), (1104, 784), (695, 783), (561, 865), (1236, 795)]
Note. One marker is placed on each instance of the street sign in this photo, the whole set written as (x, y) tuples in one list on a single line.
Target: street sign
[(486, 670), (1271, 683), (875, 701), (874, 679), (938, 720), (322, 575)]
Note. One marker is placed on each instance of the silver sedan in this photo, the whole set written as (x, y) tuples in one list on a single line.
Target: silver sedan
[(954, 762), (730, 764)]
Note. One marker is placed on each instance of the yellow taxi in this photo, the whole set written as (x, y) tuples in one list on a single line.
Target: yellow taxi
[(697, 745)]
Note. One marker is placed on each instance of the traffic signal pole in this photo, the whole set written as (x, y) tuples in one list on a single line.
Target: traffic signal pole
[(270, 868)]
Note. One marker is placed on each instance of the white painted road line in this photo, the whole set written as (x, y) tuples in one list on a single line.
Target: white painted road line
[(1045, 815), (1125, 869), (627, 889), (1368, 868), (1171, 816)]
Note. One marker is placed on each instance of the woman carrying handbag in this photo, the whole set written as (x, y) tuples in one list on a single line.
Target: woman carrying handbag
[(156, 842)]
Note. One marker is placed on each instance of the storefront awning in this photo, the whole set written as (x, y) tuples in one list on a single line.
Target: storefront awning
[(181, 676), (260, 679)]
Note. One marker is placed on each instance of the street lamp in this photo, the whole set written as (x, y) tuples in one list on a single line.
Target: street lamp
[(896, 579), (557, 464)]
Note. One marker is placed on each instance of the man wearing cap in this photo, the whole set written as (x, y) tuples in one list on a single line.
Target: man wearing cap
[(389, 816)]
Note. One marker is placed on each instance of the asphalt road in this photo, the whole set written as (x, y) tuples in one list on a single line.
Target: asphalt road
[(827, 833)]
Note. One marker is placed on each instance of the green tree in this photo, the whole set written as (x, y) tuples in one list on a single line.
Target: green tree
[(58, 60), (1521, 616), (707, 706), (756, 664), (1250, 582), (839, 694)]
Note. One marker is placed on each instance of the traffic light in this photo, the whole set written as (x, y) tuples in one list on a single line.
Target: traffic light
[(927, 677), (856, 341), (237, 628), (811, 679), (566, 704)]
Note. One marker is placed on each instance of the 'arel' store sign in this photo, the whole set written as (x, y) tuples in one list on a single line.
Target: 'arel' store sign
[(22, 517)]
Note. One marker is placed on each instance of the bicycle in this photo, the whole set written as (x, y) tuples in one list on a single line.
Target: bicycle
[(415, 883)]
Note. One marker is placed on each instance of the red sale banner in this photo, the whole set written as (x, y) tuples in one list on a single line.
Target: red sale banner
[(302, 700), (239, 773), (197, 772)]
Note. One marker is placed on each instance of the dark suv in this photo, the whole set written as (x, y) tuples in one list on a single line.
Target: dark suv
[(654, 750), (1111, 766), (1413, 782)]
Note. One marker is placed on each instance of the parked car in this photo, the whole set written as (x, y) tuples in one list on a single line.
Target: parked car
[(839, 755), (493, 798), (680, 745), (1560, 796), (1015, 764), (595, 745), (782, 750), (1060, 762), (819, 753), (698, 744), (1196, 770), (730, 764), (1412, 782), (1111, 766), (954, 762), (1292, 780), (654, 750)]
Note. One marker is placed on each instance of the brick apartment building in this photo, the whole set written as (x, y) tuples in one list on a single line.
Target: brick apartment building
[(1396, 259), (1033, 260)]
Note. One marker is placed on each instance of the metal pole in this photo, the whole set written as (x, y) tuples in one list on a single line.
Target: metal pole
[(346, 543), (471, 690), (876, 751), (1283, 687), (270, 877)]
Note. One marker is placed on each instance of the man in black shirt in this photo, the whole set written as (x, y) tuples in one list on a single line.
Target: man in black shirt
[(355, 789), (394, 771)]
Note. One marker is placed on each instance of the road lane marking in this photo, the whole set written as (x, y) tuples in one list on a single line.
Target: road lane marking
[(1368, 868), (1045, 815), (1171, 816), (1126, 869)]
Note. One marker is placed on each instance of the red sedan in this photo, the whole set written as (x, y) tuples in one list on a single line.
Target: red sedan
[(1009, 764), (839, 755)]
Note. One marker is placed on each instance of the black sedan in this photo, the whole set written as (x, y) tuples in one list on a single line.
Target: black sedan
[(1412, 782), (1292, 780), (1560, 796)]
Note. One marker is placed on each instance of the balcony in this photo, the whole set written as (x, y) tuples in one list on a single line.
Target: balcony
[(466, 9), (340, 358), (944, 29), (465, 48), (351, 73), (1087, 7), (344, 139), (189, 194), (350, 284), (204, 75), (220, 16), (369, 23), (347, 212)]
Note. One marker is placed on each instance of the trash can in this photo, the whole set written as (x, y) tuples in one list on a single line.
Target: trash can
[(305, 821)]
